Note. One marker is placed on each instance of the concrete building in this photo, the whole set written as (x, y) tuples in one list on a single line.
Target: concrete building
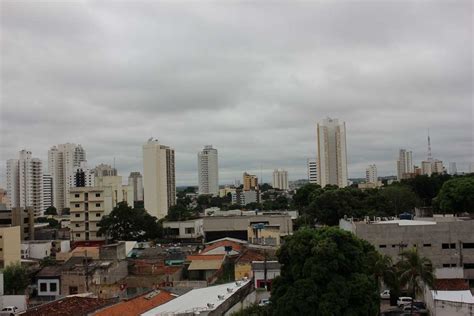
[(47, 190), (226, 190), (280, 179), (260, 268), (190, 229), (159, 178), (216, 227), (36, 249), (10, 245), (250, 182), (62, 160), (428, 167), (4, 198), (245, 197), (312, 166), (114, 192), (452, 168), (446, 241), (471, 167), (404, 164), (87, 209), (104, 170), (371, 174), (135, 180), (332, 153), (25, 182), (208, 171), (82, 176), (24, 218)]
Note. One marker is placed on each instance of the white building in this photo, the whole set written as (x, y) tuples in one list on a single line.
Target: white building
[(428, 167), (135, 180), (35, 249), (312, 165), (82, 174), (208, 171), (280, 179), (189, 229), (62, 160), (404, 164), (332, 153), (452, 168), (158, 178), (104, 170), (371, 174), (114, 192), (25, 182), (471, 167), (47, 191)]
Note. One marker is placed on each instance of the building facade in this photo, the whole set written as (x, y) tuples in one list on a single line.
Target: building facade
[(82, 176), (10, 245), (114, 192), (404, 164), (280, 179), (62, 161), (135, 180), (208, 171), (250, 182), (47, 190), (159, 178), (371, 174), (332, 153), (312, 166), (25, 182), (87, 207), (104, 170)]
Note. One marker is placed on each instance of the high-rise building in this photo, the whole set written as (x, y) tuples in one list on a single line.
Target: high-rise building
[(250, 182), (452, 168), (312, 166), (135, 180), (371, 174), (4, 198), (158, 178), (62, 161), (25, 182), (471, 167), (47, 190), (404, 164), (87, 206), (104, 170), (82, 176), (332, 153), (280, 179), (208, 171)]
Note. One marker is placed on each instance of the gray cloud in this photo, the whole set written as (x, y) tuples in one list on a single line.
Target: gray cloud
[(250, 78)]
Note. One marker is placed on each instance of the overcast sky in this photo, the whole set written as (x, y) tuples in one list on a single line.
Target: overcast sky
[(250, 78)]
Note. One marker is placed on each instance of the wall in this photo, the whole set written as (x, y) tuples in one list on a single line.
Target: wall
[(14, 300), (39, 250), (10, 245), (242, 270), (197, 224)]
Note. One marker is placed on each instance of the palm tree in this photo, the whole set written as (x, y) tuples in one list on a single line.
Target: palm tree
[(415, 271), (384, 271)]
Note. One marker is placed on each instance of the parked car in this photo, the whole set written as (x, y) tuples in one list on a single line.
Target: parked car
[(419, 304), (264, 302), (9, 310), (385, 295), (404, 300)]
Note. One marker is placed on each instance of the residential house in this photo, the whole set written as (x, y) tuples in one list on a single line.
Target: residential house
[(272, 269)]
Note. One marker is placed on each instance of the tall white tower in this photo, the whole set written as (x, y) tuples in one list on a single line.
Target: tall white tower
[(25, 182), (158, 178), (62, 161), (332, 153), (135, 180), (280, 179), (404, 163), (371, 174), (208, 171)]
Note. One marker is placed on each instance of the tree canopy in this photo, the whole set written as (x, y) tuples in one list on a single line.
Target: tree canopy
[(126, 223), (457, 195), (16, 279), (51, 211), (325, 272)]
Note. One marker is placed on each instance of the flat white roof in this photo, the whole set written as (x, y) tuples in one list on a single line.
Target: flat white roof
[(454, 296), (406, 222), (197, 300)]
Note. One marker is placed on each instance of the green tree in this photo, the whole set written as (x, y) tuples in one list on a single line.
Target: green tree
[(427, 187), (457, 195), (399, 199), (16, 279), (126, 223), (51, 221), (253, 310), (178, 212), (415, 271), (325, 272), (47, 261), (332, 205), (384, 271), (303, 195), (51, 211)]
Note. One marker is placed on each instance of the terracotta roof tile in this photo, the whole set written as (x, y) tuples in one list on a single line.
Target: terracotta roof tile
[(69, 306), (137, 305), (451, 285), (235, 246), (205, 257)]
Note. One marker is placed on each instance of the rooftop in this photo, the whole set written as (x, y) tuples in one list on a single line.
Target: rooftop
[(69, 306), (454, 296), (204, 299), (451, 285)]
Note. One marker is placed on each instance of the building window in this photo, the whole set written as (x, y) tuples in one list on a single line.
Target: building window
[(426, 245), (97, 214), (97, 204), (53, 287), (469, 266), (382, 246), (77, 205), (449, 246), (97, 195), (468, 245), (189, 230), (43, 287), (78, 215), (77, 195), (77, 225), (78, 235)]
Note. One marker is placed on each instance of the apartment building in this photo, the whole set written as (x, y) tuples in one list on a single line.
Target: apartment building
[(87, 207), (250, 181), (10, 245), (208, 171), (280, 179)]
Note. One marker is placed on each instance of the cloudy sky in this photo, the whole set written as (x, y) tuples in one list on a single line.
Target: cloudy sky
[(251, 78)]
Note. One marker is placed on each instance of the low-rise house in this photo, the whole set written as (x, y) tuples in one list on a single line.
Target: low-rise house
[(36, 249), (75, 305), (185, 230), (272, 269), (243, 264), (262, 234), (204, 267), (450, 297), (48, 281)]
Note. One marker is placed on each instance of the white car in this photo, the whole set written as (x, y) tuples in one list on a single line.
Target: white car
[(385, 295), (9, 310), (404, 300)]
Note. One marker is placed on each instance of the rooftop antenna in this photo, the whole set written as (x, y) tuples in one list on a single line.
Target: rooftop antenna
[(430, 158)]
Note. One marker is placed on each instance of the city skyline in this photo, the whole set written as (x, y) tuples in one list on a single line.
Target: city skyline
[(258, 87)]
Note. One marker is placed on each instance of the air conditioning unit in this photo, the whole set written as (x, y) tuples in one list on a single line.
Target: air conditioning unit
[(229, 290), (220, 297)]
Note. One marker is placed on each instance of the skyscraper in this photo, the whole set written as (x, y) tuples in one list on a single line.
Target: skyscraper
[(371, 174), (250, 182), (47, 190), (135, 180), (404, 164), (208, 171), (312, 165), (332, 153), (280, 179), (104, 170), (62, 161), (159, 178), (25, 182)]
